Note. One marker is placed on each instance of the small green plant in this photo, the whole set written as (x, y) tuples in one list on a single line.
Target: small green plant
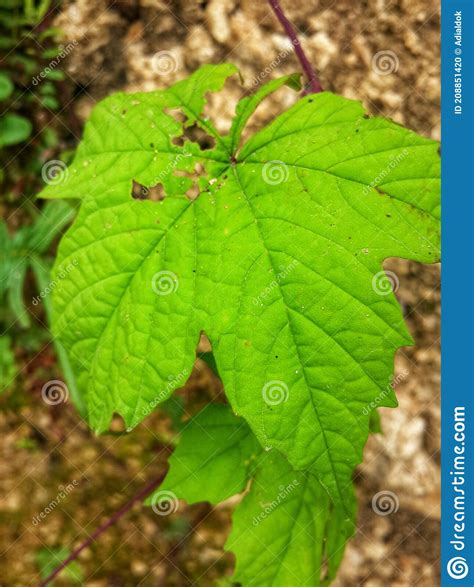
[(14, 128), (278, 260), (30, 82), (26, 249), (30, 79), (26, 252)]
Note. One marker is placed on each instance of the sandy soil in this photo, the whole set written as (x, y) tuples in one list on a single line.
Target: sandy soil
[(46, 448)]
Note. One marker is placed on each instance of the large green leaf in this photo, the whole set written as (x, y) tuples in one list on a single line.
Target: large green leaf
[(278, 261)]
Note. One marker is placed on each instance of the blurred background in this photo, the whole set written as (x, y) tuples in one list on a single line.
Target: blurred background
[(58, 481)]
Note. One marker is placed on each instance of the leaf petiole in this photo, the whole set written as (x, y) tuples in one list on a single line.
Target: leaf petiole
[(314, 85)]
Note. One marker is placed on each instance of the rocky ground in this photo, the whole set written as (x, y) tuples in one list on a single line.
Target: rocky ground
[(44, 449)]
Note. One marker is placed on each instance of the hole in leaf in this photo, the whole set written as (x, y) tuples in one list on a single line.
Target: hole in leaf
[(199, 171), (193, 192), (179, 141), (177, 114), (155, 193), (195, 134), (219, 107), (204, 345)]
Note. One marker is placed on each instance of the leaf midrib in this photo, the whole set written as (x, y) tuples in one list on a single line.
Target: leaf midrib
[(315, 409)]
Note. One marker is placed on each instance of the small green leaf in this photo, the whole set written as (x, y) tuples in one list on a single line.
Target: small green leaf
[(7, 258), (14, 129), (6, 86), (215, 446), (16, 283), (50, 102), (55, 74), (7, 363)]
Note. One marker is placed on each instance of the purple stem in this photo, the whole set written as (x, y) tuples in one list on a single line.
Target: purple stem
[(140, 495), (314, 86)]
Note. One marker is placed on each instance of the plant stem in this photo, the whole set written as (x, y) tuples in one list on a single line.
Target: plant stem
[(314, 85), (140, 495)]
